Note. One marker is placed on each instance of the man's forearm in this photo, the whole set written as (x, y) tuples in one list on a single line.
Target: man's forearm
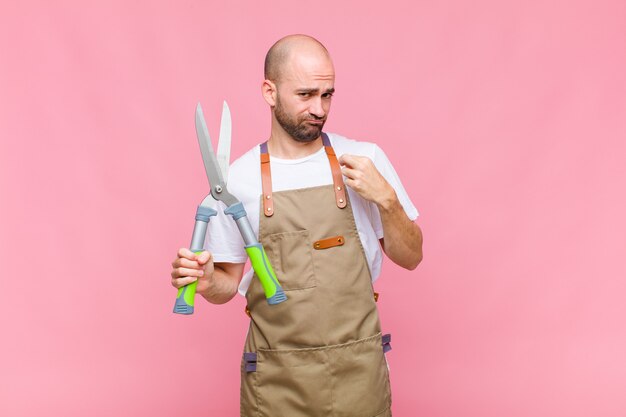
[(403, 238), (222, 287)]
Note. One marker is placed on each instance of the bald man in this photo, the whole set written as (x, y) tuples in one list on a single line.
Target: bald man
[(325, 208)]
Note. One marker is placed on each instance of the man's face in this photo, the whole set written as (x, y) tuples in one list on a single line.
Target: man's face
[(303, 98)]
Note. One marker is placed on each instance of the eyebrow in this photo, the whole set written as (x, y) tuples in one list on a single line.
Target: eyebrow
[(314, 90)]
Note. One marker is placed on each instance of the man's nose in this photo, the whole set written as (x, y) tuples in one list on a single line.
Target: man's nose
[(316, 109)]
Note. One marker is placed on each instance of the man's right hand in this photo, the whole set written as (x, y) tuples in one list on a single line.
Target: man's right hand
[(216, 283), (189, 267)]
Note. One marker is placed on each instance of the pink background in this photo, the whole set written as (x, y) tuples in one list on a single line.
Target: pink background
[(505, 120)]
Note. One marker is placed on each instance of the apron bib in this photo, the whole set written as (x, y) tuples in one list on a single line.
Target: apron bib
[(320, 353)]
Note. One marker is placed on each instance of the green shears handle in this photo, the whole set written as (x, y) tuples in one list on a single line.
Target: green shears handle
[(186, 295), (263, 269), (258, 258)]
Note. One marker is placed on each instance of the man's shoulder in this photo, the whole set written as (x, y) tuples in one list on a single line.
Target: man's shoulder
[(342, 145), (244, 174), (246, 162)]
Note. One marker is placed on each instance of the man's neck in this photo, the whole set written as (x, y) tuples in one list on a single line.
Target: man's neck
[(282, 145)]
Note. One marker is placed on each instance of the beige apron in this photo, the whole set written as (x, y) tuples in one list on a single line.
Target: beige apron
[(320, 353)]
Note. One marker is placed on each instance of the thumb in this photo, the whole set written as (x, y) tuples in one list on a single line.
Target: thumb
[(204, 257)]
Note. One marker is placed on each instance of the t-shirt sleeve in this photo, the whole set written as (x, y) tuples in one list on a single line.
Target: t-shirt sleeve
[(384, 166), (223, 239)]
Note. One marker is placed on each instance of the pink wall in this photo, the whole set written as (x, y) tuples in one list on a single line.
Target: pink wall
[(505, 121)]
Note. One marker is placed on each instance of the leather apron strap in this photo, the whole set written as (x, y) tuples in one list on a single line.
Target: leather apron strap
[(266, 181), (340, 190), (266, 177)]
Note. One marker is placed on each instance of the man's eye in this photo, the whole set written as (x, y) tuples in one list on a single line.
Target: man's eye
[(327, 95), (303, 94)]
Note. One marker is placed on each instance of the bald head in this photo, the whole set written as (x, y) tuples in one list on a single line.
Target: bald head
[(282, 52)]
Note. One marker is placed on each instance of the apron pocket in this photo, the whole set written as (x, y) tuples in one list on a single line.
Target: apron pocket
[(291, 256), (361, 378), (346, 380), (293, 383)]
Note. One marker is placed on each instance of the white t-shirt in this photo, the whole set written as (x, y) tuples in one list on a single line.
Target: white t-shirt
[(244, 182)]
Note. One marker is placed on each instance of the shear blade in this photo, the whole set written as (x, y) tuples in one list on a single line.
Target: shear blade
[(211, 166), (223, 144)]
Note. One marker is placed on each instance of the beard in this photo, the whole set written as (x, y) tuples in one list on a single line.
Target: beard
[(297, 128)]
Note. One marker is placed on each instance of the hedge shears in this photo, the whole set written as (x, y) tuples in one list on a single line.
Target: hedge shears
[(217, 172)]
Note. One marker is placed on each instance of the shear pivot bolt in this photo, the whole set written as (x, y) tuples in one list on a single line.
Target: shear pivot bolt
[(218, 189)]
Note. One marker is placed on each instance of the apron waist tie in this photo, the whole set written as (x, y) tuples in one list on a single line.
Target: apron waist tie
[(386, 343), (250, 361), (250, 357)]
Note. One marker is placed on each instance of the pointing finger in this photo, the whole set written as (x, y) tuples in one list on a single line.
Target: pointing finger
[(351, 161), (346, 160)]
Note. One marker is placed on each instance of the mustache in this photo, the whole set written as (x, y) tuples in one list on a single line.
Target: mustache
[(313, 118)]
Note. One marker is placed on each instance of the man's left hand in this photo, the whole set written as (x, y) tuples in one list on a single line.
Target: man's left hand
[(363, 177)]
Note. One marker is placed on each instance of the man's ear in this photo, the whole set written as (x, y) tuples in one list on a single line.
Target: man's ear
[(269, 91)]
